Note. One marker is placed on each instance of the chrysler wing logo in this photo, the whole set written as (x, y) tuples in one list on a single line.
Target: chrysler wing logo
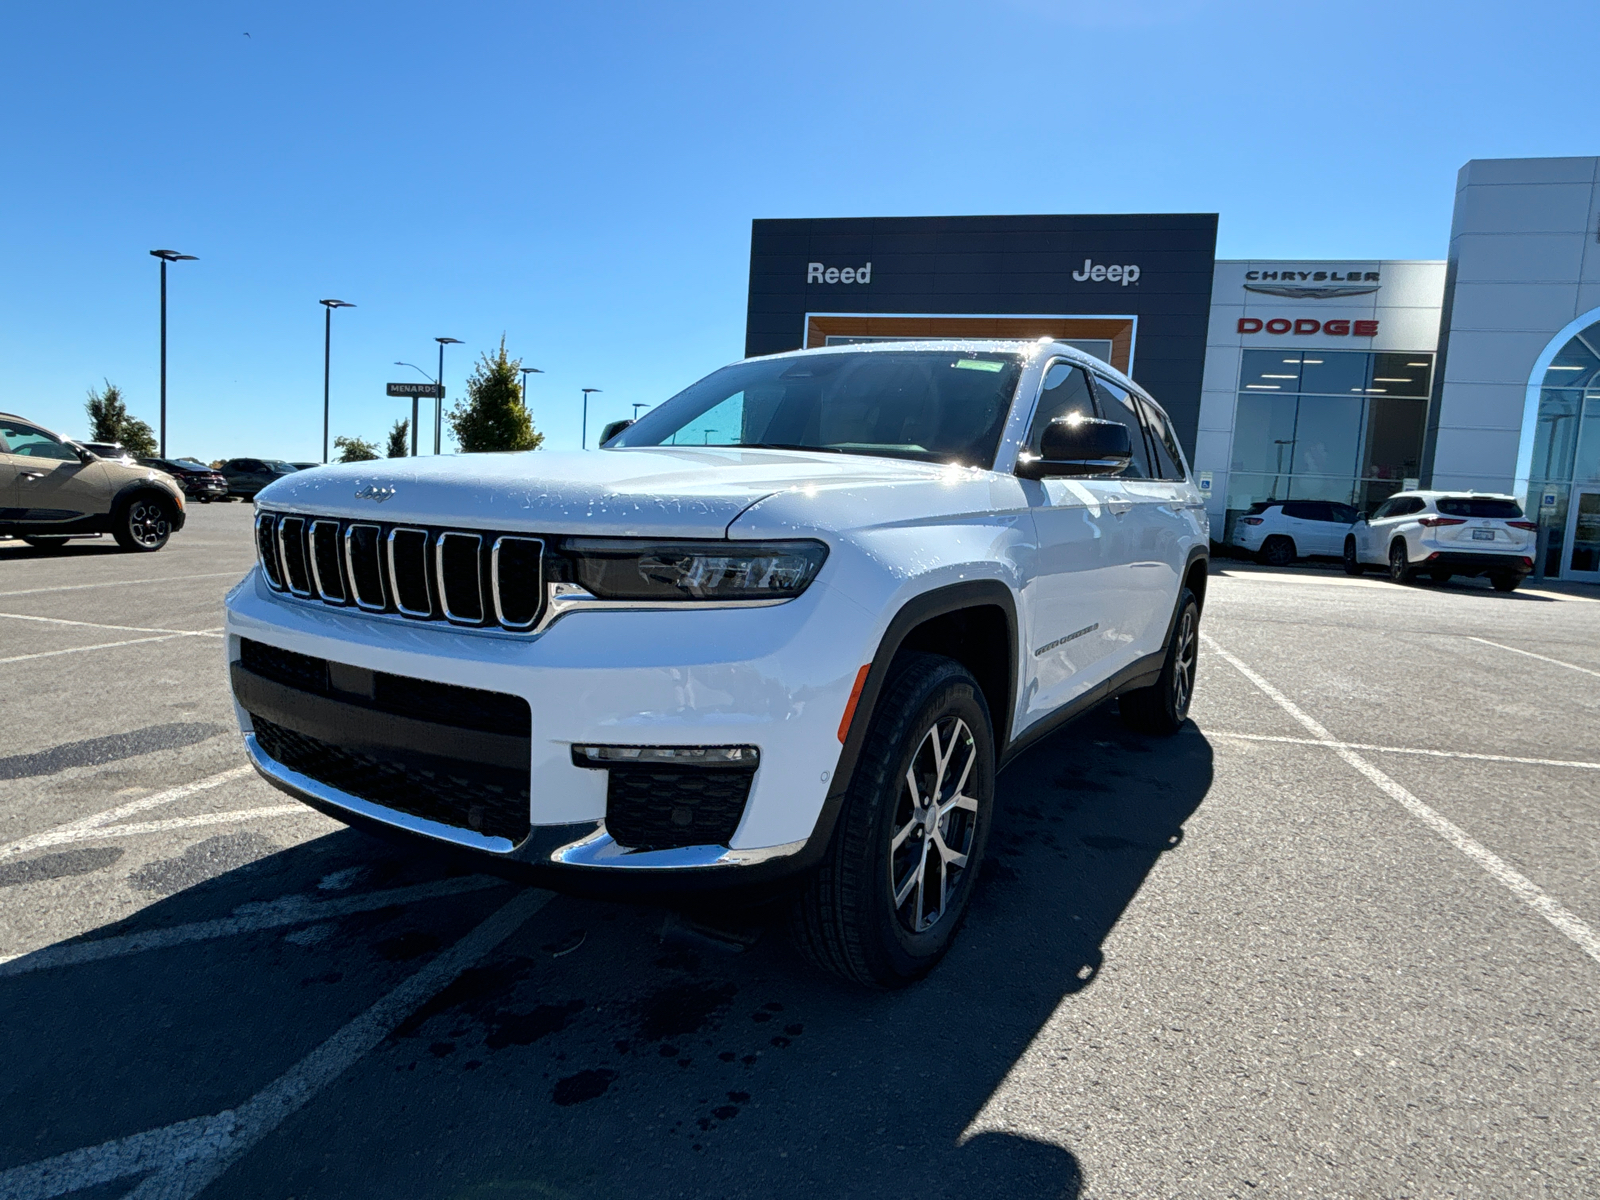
[(374, 492), (1296, 291)]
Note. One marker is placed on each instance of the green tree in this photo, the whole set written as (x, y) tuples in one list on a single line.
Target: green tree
[(109, 422), (354, 449), (399, 439), (493, 417)]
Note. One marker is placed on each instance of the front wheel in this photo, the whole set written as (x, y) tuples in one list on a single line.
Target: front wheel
[(1163, 707), (142, 525), (1352, 564), (1399, 565), (885, 902)]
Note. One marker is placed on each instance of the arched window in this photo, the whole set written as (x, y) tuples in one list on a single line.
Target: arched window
[(1566, 438)]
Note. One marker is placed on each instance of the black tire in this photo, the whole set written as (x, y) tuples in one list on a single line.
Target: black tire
[(1505, 581), (1163, 707), (44, 542), (844, 918), (142, 523), (1352, 564), (1278, 551), (1399, 565)]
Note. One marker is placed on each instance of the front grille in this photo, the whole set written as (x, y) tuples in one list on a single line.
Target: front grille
[(659, 808), (462, 577), (489, 800), (402, 695)]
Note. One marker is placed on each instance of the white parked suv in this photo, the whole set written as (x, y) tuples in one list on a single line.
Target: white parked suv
[(1441, 534), (1277, 532), (778, 634)]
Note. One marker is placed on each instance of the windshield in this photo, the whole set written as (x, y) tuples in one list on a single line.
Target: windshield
[(1479, 506), (933, 405), (283, 468)]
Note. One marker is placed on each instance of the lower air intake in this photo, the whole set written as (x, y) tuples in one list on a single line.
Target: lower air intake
[(660, 808)]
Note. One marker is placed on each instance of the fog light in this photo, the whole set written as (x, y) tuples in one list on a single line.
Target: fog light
[(655, 756)]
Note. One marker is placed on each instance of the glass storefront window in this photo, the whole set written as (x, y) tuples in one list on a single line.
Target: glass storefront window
[(1335, 372), (1340, 425)]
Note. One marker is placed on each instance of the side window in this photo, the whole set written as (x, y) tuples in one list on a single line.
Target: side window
[(1385, 510), (35, 443), (1169, 459), (1301, 510), (1344, 514), (1414, 505), (1065, 390), (1117, 405)]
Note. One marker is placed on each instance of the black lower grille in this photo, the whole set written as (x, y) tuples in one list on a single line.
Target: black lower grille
[(445, 703), (485, 799), (659, 808)]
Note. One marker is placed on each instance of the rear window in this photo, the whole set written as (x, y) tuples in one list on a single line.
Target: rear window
[(1480, 506), (1261, 506)]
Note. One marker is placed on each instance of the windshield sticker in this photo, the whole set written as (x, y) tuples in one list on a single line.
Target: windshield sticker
[(979, 364)]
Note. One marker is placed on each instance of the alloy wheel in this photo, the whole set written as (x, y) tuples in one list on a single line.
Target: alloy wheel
[(147, 524), (935, 821), (1187, 653)]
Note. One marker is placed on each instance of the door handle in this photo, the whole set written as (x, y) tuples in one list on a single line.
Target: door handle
[(1119, 506), (33, 474)]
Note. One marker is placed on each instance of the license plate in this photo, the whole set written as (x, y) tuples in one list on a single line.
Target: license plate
[(1483, 535)]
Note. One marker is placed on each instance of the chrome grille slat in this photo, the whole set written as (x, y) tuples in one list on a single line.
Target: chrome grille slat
[(516, 579), (267, 550), (363, 564), (325, 572), (456, 561), (408, 572), (292, 554)]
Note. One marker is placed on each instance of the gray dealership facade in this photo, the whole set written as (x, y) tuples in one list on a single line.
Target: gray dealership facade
[(1343, 380)]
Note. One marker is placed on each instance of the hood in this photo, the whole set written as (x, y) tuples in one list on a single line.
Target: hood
[(659, 491)]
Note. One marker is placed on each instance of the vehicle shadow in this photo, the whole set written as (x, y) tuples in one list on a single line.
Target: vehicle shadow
[(589, 1057)]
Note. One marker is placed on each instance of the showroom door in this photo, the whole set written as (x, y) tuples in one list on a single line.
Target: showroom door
[(1582, 557)]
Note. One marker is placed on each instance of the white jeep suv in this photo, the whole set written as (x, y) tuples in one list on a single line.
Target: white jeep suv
[(1441, 534), (780, 632)]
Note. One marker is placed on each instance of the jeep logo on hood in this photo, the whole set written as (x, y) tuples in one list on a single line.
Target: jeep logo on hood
[(374, 491)]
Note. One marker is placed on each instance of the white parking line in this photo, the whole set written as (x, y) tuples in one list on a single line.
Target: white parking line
[(1505, 758), (78, 587), (231, 816), (1530, 893), (189, 1155), (15, 658), (295, 909), (1531, 654), (49, 837), (217, 632)]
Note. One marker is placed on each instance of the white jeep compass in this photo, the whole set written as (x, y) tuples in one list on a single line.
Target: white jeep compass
[(783, 630)]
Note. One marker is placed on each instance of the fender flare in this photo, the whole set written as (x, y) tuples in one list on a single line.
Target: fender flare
[(126, 493), (971, 593)]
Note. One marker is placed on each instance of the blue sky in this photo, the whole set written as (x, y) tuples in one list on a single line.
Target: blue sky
[(582, 178)]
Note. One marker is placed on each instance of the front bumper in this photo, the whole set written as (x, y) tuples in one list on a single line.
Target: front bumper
[(770, 677)]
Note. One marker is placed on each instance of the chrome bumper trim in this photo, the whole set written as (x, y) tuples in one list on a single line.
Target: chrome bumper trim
[(596, 851), (599, 850)]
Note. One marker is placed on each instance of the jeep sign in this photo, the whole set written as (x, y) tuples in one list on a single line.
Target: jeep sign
[(1113, 274)]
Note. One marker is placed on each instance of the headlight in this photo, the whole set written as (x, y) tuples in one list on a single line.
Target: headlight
[(642, 570)]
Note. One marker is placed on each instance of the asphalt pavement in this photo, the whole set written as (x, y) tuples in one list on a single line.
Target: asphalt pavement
[(1335, 938)]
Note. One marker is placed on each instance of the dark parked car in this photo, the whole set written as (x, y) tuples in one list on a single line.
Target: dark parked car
[(197, 480), (247, 476)]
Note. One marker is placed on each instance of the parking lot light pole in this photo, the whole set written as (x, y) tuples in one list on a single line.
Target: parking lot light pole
[(438, 401), (526, 371), (166, 256), (327, 349), (584, 444)]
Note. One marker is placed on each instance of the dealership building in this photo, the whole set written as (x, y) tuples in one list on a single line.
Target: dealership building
[(1316, 380)]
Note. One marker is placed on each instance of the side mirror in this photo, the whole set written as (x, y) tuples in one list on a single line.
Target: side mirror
[(85, 456), (611, 430), (1083, 447)]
